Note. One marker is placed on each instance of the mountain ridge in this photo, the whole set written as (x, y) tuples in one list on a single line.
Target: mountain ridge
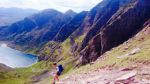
[(8, 15), (42, 22)]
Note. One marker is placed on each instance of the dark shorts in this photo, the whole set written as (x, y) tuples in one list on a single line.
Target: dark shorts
[(58, 73)]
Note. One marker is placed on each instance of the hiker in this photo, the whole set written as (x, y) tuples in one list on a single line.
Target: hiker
[(59, 70)]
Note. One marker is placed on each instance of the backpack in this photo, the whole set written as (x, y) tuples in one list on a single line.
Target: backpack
[(60, 67)]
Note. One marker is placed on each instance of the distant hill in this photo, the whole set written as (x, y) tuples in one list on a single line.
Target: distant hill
[(11, 15), (36, 29), (4, 68)]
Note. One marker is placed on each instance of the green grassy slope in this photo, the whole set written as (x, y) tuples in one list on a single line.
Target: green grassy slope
[(24, 75)]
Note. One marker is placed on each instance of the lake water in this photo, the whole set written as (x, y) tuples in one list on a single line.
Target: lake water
[(15, 58)]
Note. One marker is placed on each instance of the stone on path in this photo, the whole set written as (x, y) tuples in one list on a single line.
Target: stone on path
[(127, 76), (134, 51)]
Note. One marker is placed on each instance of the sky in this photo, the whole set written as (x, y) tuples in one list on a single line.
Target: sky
[(61, 5)]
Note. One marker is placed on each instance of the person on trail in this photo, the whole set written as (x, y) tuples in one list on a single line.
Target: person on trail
[(59, 70)]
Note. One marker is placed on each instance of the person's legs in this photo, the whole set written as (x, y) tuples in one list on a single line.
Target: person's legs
[(55, 78), (53, 81)]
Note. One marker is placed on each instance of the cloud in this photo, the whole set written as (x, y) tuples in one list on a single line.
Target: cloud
[(61, 5)]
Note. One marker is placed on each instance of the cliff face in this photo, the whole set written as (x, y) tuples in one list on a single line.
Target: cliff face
[(91, 52), (125, 23), (106, 10), (92, 17)]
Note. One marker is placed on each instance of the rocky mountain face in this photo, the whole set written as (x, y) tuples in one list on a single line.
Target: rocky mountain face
[(70, 27), (9, 16), (125, 23), (106, 10), (93, 16), (36, 29)]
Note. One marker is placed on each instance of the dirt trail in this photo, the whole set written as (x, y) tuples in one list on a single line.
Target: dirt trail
[(138, 75)]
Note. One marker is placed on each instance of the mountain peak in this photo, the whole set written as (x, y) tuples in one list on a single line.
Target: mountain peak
[(50, 11), (70, 12)]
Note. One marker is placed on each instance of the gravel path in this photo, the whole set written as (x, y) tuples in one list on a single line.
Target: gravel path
[(138, 75)]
